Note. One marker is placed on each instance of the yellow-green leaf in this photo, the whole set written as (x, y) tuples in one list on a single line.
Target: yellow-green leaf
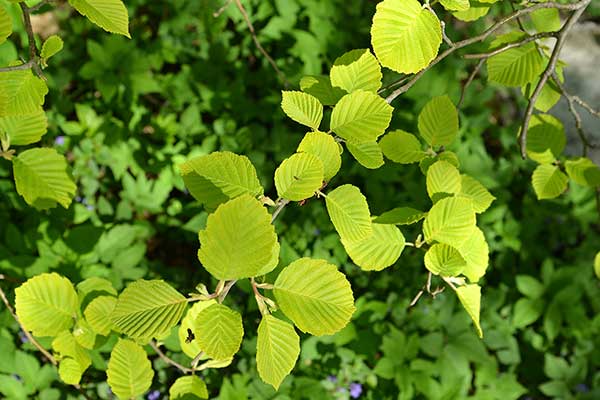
[(470, 297), (368, 154), (66, 346), (326, 149), (302, 108), (23, 93), (548, 181), (277, 349), (110, 15), (546, 20), (438, 121), (474, 12), (69, 371), (51, 46), (444, 260), (299, 176), (455, 5), (129, 371), (475, 251), (98, 312), (443, 178), (402, 147), (583, 171), (356, 69), (546, 138), (450, 221), (24, 129), (474, 190), (5, 24), (516, 66), (349, 212), (315, 296), (188, 388), (219, 331), (191, 349), (320, 87), (377, 251), (597, 265), (400, 216)]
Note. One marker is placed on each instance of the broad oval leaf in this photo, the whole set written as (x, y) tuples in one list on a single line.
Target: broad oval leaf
[(446, 155), (239, 240), (302, 108), (277, 350), (51, 46), (41, 178), (548, 181), (442, 178), (46, 304), (349, 212), (219, 331), (70, 371), (546, 138), (368, 154), (583, 171), (516, 66), (438, 121), (475, 251), (361, 117), (402, 147), (299, 176), (450, 221), (24, 129), (23, 93), (110, 15), (5, 24), (326, 149), (98, 313), (129, 371), (220, 176), (470, 298), (455, 5), (444, 260), (546, 20), (550, 94), (356, 69), (379, 250), (188, 388), (320, 87), (474, 190), (406, 36), (66, 345), (400, 216), (473, 13), (191, 349), (315, 296), (146, 309)]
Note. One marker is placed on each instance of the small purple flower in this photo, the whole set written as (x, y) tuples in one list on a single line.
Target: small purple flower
[(332, 378), (154, 395), (317, 232), (582, 388), (59, 141), (78, 199), (89, 207), (355, 390), (22, 336)]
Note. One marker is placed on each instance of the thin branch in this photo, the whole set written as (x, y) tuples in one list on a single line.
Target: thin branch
[(220, 11), (169, 361), (560, 42), (580, 5), (469, 81), (585, 105), (26, 332), (512, 45), (22, 67), (280, 206), (257, 43), (39, 5)]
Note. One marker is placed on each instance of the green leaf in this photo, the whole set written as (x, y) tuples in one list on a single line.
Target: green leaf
[(299, 176), (51, 46), (406, 36), (368, 154), (402, 147), (361, 117), (191, 349), (597, 265), (5, 24), (349, 212), (529, 286), (474, 190), (326, 149), (550, 94), (548, 181), (356, 69), (188, 388), (219, 331), (24, 129), (450, 221), (66, 346), (110, 15), (239, 240), (446, 155), (455, 5), (546, 20), (470, 298), (475, 11), (21, 93), (526, 312), (401, 216), (442, 178), (302, 108), (84, 334), (583, 172), (220, 176), (46, 304), (516, 66), (94, 284), (98, 312), (377, 251), (444, 260), (146, 309), (546, 138), (70, 371), (129, 370), (277, 350), (315, 296), (475, 251), (320, 87), (41, 178), (438, 121)]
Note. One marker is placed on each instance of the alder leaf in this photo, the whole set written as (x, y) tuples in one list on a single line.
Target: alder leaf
[(22, 93), (400, 216), (349, 212), (315, 296), (455, 5), (277, 349), (98, 312), (379, 250), (444, 260), (442, 178), (402, 147), (475, 251), (516, 66), (326, 149), (438, 121), (450, 221), (46, 304), (546, 138), (548, 181), (110, 15), (583, 171), (191, 349), (239, 240), (219, 331), (51, 46), (356, 69), (188, 388), (24, 129), (302, 108), (299, 176), (129, 371), (405, 36), (361, 117), (473, 13), (5, 24), (368, 154), (474, 190), (320, 87), (470, 298)]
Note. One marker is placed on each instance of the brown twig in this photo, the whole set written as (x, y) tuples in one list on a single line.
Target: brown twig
[(168, 360), (550, 69), (280, 206), (426, 289), (257, 43), (511, 45), (26, 332), (220, 11), (469, 81), (28, 65), (39, 5)]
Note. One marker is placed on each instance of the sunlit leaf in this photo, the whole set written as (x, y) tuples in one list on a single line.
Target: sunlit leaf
[(191, 348), (443, 177), (546, 138), (455, 5), (5, 24), (450, 221), (110, 15), (470, 297), (377, 251), (129, 370), (22, 93), (302, 108), (444, 260), (474, 190), (583, 171), (475, 251), (548, 181), (401, 216), (277, 350), (402, 147), (349, 212), (326, 149), (368, 154), (219, 331), (438, 121), (516, 66), (356, 69), (25, 128), (188, 388), (320, 87), (299, 176), (98, 312), (51, 46), (361, 117)]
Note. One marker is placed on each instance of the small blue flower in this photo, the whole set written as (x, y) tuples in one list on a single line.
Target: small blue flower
[(22, 336), (154, 395), (332, 378), (355, 390), (582, 388), (59, 141), (89, 207)]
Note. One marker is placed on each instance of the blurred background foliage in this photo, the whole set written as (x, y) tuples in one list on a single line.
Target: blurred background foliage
[(127, 112)]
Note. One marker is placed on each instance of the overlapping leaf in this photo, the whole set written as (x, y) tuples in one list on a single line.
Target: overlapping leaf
[(349, 212), (455, 5), (401, 216), (473, 13), (277, 350), (516, 66), (98, 312), (5, 24), (356, 69), (320, 87), (326, 149), (361, 116), (110, 15), (299, 176), (191, 349), (25, 128), (377, 251), (474, 190), (470, 298), (438, 121), (443, 178), (188, 387), (444, 260), (368, 154), (402, 147), (546, 138), (475, 251), (315, 296), (129, 371), (23, 93), (583, 171), (302, 108), (450, 221), (548, 181), (219, 331)]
